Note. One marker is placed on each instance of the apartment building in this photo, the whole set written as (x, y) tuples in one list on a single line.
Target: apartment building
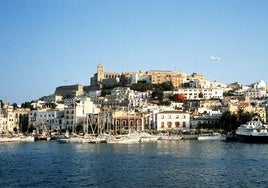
[(200, 93)]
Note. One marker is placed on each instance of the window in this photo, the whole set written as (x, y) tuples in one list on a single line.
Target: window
[(169, 124), (162, 124), (177, 124)]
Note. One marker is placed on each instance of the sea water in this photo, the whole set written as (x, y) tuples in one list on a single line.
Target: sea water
[(189, 163)]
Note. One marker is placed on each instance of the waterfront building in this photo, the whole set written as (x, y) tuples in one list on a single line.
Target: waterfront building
[(46, 118), (176, 120), (77, 111), (21, 118), (124, 121)]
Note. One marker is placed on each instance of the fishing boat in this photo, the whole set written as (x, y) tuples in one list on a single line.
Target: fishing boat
[(253, 131)]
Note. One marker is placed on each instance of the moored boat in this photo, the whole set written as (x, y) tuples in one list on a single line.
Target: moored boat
[(17, 138), (253, 131), (146, 137), (212, 136), (169, 137), (124, 139)]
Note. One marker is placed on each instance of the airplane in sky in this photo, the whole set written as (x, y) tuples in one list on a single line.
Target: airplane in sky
[(215, 58)]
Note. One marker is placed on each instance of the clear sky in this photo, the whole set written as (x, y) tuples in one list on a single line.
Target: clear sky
[(48, 43)]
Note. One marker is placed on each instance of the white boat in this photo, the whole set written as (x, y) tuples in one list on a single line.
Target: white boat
[(124, 139), (9, 139), (74, 138), (146, 137), (98, 139), (253, 131), (26, 138), (170, 137), (213, 136), (17, 138)]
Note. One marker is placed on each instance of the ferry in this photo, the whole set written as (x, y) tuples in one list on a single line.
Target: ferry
[(253, 131)]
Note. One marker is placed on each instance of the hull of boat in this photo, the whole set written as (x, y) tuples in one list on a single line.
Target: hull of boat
[(252, 139), (170, 138), (219, 137), (17, 139)]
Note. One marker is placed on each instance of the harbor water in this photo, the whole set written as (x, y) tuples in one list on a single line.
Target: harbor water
[(183, 163)]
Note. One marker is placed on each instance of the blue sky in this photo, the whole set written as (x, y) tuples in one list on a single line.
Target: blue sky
[(49, 43)]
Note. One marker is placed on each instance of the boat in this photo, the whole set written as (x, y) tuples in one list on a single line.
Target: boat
[(212, 136), (73, 138), (25, 138), (124, 139), (16, 138), (146, 137), (253, 131), (44, 135), (170, 137)]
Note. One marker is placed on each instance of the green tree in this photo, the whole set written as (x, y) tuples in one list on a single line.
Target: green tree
[(141, 86), (158, 94), (167, 86), (230, 122)]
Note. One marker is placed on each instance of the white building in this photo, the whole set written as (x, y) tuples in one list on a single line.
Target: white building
[(176, 120), (200, 93), (94, 94), (7, 119), (255, 93), (52, 119), (77, 111), (135, 98)]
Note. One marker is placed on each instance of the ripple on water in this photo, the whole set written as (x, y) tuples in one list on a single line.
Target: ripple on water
[(158, 164)]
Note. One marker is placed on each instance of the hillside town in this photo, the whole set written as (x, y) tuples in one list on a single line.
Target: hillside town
[(151, 101)]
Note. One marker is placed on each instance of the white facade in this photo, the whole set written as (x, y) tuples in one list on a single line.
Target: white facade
[(135, 98), (176, 120), (194, 93), (3, 123), (77, 111), (260, 85), (52, 119), (7, 119), (254, 94), (94, 94)]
